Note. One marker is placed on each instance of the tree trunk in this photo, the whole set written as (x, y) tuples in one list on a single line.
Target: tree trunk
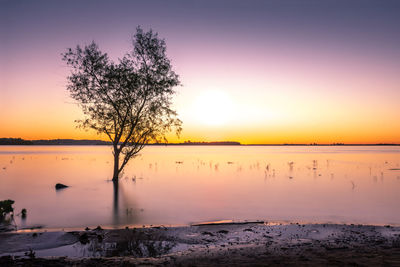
[(116, 166)]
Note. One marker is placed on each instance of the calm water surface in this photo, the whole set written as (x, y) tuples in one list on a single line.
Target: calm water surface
[(189, 184)]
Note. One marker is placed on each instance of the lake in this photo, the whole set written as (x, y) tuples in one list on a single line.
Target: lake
[(180, 185)]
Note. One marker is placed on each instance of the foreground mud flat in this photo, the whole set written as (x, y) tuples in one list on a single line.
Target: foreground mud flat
[(207, 245)]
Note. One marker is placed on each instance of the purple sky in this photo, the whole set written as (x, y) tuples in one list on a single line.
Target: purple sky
[(259, 53)]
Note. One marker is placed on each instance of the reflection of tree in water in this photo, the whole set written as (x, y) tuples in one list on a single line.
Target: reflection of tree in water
[(116, 203), (127, 213)]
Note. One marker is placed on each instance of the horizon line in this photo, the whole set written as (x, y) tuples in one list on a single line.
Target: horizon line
[(63, 141)]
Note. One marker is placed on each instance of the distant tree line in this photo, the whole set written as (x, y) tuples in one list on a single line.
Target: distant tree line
[(72, 142), (14, 141), (62, 142), (219, 143)]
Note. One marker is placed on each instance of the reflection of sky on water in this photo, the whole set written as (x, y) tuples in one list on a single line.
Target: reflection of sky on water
[(180, 185)]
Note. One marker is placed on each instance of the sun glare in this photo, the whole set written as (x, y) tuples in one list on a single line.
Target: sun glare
[(214, 108)]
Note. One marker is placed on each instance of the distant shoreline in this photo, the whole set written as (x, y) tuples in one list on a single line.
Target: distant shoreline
[(85, 142)]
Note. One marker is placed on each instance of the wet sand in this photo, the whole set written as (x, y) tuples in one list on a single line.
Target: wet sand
[(228, 244)]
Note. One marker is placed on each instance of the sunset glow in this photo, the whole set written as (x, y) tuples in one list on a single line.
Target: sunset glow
[(214, 108)]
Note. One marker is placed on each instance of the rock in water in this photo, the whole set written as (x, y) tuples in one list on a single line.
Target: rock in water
[(61, 186)]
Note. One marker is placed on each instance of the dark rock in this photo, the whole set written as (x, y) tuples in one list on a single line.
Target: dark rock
[(30, 254), (84, 238), (60, 186), (23, 213)]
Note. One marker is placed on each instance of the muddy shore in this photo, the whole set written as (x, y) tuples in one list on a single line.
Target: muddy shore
[(248, 244)]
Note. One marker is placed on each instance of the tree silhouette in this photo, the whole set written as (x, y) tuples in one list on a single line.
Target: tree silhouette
[(128, 101)]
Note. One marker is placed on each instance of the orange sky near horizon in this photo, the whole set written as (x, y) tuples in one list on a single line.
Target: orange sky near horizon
[(293, 76), (311, 106), (261, 121)]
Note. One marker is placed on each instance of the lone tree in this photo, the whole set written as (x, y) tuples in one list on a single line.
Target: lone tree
[(128, 101)]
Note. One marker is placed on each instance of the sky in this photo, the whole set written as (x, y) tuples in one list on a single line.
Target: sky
[(251, 71)]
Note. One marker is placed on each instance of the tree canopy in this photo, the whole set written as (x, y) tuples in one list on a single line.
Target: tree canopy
[(130, 100)]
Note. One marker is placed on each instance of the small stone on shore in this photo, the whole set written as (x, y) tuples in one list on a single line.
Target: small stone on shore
[(60, 186)]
